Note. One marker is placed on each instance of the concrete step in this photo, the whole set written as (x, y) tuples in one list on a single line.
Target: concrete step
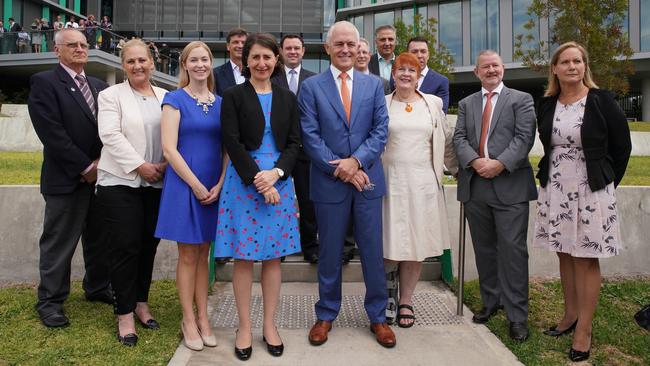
[(295, 269)]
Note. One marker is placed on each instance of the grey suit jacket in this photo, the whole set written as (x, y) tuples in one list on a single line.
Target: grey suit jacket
[(511, 136)]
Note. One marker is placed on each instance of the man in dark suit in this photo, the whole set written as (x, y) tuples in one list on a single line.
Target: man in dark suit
[(292, 50), (229, 74), (63, 109), (381, 63), (344, 125), (494, 133), (14, 28), (430, 82)]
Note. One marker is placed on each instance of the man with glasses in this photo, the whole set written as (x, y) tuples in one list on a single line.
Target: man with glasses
[(63, 109)]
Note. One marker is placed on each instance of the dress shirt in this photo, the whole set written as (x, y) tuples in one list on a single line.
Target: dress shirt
[(422, 75), (237, 73), (495, 97), (336, 72), (287, 69), (385, 67)]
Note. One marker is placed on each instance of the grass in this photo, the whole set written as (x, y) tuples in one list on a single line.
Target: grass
[(20, 167), (637, 173), (90, 339), (639, 126), (617, 339)]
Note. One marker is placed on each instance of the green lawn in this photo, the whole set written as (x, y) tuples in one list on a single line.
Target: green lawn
[(637, 173), (639, 126), (91, 337), (617, 339)]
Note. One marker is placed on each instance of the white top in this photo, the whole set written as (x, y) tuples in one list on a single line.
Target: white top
[(493, 100), (236, 71), (151, 114), (349, 81), (71, 25), (422, 75)]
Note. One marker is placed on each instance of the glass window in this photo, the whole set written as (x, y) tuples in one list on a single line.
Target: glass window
[(451, 29), (484, 26), (519, 18), (358, 23), (407, 16), (422, 10), (384, 18), (644, 25)]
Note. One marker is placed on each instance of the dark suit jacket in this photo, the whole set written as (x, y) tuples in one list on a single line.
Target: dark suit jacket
[(605, 138), (66, 127), (15, 27), (223, 78), (373, 64), (280, 79), (511, 136), (242, 128), (435, 84)]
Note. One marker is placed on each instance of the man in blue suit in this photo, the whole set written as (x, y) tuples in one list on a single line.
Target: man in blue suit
[(229, 74), (344, 129), (430, 82)]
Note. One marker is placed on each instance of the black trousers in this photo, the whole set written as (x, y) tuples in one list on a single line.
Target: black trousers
[(69, 217), (131, 215), (308, 226)]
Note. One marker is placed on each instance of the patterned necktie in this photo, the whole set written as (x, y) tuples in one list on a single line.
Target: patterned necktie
[(88, 96), (293, 81), (485, 124), (345, 95)]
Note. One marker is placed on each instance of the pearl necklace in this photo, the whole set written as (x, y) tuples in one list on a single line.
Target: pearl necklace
[(204, 105)]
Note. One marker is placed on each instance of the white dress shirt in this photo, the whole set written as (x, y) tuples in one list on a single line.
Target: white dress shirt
[(493, 100), (336, 72), (422, 75), (236, 71)]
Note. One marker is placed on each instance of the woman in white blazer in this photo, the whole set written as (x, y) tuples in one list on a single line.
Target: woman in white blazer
[(414, 220), (129, 183)]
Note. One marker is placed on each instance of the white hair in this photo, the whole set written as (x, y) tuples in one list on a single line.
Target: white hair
[(58, 36), (363, 40), (341, 24)]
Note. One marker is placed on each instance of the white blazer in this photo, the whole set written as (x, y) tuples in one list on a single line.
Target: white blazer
[(443, 144), (121, 130)]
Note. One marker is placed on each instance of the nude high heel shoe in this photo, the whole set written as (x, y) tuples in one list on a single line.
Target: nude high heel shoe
[(195, 345)]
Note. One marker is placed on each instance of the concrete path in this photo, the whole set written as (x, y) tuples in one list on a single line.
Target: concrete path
[(439, 336)]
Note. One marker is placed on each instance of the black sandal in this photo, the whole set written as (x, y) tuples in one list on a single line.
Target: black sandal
[(401, 316)]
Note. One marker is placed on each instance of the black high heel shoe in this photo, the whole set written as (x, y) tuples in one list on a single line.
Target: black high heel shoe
[(273, 349), (554, 332), (243, 354), (577, 356)]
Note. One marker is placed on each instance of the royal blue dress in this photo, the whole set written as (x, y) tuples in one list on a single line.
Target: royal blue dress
[(182, 218), (247, 227)]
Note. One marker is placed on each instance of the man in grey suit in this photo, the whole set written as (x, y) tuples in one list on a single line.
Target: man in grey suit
[(494, 133)]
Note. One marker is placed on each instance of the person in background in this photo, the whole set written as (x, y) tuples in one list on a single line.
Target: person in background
[(129, 182), (91, 32), (71, 23), (381, 63), (257, 211), (230, 73), (37, 35), (191, 139), (106, 26), (429, 82), (587, 146)]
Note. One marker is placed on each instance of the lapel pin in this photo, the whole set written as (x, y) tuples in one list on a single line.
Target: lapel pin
[(72, 89)]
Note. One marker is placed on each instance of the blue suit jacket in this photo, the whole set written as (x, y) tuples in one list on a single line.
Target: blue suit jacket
[(435, 84), (223, 78), (326, 134)]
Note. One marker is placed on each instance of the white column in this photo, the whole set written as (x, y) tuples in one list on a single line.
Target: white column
[(645, 90), (110, 77)]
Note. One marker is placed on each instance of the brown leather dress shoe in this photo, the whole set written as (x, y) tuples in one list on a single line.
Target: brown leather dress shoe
[(384, 334), (318, 333)]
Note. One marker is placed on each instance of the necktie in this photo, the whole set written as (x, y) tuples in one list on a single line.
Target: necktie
[(293, 81), (88, 96), (345, 94), (485, 124)]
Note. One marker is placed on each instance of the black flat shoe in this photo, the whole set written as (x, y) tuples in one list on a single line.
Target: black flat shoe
[(243, 354), (485, 314), (129, 340), (56, 319), (554, 332), (518, 331), (150, 324), (577, 356), (274, 350)]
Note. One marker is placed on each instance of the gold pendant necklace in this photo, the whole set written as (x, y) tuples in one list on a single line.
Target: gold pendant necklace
[(204, 105), (408, 108)]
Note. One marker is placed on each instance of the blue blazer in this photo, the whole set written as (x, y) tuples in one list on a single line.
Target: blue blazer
[(326, 134), (223, 78)]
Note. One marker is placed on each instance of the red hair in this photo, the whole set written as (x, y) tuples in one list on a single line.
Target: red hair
[(409, 59)]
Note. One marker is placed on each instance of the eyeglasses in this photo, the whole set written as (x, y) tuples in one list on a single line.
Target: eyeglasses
[(74, 45)]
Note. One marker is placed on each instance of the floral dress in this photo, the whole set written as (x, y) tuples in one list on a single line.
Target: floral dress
[(570, 217)]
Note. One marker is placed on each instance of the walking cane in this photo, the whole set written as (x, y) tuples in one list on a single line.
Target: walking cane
[(461, 260)]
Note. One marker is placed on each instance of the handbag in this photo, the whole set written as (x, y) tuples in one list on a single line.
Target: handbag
[(642, 317)]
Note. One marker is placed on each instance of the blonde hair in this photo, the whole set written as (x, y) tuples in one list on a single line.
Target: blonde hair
[(135, 43), (184, 78), (553, 88)]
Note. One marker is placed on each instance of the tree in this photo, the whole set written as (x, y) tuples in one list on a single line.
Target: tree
[(440, 60), (597, 25)]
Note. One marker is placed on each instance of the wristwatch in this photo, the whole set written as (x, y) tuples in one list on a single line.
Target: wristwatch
[(280, 172)]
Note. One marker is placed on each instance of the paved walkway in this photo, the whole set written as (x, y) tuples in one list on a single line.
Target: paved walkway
[(439, 336)]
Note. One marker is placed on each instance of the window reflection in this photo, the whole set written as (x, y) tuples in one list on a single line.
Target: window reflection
[(644, 24), (484, 26), (451, 29), (519, 18)]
